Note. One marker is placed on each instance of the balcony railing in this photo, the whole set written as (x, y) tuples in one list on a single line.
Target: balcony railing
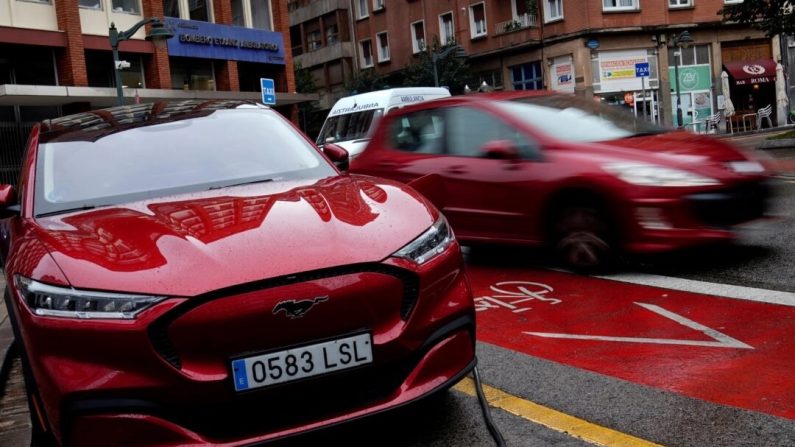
[(521, 22)]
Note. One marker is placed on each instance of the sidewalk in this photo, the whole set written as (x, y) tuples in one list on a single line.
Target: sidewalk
[(6, 340)]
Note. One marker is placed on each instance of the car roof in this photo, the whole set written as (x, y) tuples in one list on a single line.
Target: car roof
[(100, 122), (475, 98)]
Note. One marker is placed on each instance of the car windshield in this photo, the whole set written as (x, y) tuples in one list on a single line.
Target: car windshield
[(350, 126), (572, 118), (195, 153)]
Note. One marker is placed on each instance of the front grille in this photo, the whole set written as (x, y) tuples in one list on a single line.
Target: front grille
[(732, 206), (158, 331)]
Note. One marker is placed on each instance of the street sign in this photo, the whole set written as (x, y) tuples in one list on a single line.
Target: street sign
[(642, 70), (268, 91)]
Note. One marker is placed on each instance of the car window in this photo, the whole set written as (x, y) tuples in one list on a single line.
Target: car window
[(421, 132), (213, 150), (471, 128), (350, 126)]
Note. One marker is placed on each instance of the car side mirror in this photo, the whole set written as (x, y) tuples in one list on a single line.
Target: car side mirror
[(338, 155), (500, 150)]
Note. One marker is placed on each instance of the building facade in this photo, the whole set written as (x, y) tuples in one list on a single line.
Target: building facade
[(587, 47), (55, 58)]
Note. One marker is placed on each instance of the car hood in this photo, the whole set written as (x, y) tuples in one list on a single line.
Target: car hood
[(681, 146), (195, 243)]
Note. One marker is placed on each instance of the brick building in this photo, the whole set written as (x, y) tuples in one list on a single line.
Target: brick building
[(55, 58), (588, 47)]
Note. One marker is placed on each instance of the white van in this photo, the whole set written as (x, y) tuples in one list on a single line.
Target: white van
[(353, 118)]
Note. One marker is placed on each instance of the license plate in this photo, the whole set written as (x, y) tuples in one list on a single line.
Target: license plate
[(298, 363)]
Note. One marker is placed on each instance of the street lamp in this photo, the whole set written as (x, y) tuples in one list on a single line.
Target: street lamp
[(158, 34), (683, 40), (435, 57)]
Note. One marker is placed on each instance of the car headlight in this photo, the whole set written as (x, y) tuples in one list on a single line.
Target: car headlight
[(429, 244), (53, 301), (647, 174)]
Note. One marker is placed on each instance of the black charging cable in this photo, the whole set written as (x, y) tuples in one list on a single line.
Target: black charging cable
[(484, 407)]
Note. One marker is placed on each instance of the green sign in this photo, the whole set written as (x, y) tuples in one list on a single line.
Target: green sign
[(691, 78)]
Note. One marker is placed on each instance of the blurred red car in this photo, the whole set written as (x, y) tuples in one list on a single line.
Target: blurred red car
[(199, 273), (562, 171)]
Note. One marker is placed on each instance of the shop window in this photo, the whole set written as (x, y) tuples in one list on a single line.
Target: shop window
[(491, 77), (383, 47), (126, 6), (29, 65), (366, 50), (553, 10), (446, 29), (91, 4), (527, 76), (99, 68), (619, 5), (418, 36), (477, 20), (191, 74)]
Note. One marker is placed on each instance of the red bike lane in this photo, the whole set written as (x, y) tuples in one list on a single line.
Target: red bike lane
[(723, 350)]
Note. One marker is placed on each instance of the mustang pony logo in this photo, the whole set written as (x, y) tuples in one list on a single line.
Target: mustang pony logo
[(296, 309)]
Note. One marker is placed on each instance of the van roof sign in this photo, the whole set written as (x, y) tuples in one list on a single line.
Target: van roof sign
[(355, 108)]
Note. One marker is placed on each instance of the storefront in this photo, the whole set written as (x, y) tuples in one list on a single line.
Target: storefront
[(694, 83), (615, 81), (752, 85)]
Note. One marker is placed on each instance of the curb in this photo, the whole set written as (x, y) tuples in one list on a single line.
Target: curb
[(6, 351), (785, 143)]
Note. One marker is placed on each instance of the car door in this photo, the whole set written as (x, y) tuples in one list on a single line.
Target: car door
[(486, 197)]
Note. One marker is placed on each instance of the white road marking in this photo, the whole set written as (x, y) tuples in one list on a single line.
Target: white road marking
[(721, 340), (706, 288)]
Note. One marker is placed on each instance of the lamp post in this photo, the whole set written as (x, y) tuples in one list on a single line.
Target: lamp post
[(158, 34), (683, 40), (435, 57)]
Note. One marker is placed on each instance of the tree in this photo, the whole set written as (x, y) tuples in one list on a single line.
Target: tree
[(366, 80), (771, 16), (453, 71), (308, 117)]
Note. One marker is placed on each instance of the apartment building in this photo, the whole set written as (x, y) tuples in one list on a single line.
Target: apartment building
[(589, 47), (55, 58)]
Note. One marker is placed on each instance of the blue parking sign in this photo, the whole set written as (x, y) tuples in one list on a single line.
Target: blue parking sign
[(268, 91), (642, 70)]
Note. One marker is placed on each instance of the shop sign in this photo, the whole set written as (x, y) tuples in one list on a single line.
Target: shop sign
[(563, 74), (760, 75), (691, 78), (193, 38), (617, 70)]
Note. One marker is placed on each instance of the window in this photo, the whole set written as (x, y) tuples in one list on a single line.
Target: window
[(729, 2), (238, 13), (446, 29), (313, 41), (553, 10), (91, 4), (361, 9), (383, 46), (694, 55), (44, 2), (680, 3), (492, 77), (527, 76), (477, 20), (332, 35), (419, 132), (191, 74), (127, 6), (261, 14), (469, 129), (418, 36), (378, 5), (185, 9), (619, 5), (366, 49)]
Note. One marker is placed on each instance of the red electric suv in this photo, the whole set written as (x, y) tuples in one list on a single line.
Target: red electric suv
[(200, 273), (558, 170)]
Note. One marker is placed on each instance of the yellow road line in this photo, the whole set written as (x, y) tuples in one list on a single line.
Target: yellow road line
[(588, 432)]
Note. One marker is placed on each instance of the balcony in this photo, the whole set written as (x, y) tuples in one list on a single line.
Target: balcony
[(339, 50), (301, 11), (517, 24)]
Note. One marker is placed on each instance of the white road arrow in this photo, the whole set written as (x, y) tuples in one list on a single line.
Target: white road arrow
[(721, 340)]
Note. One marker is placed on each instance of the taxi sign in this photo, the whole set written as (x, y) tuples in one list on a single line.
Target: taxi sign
[(642, 70), (268, 91)]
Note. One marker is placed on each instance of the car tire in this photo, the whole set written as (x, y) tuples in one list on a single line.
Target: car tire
[(582, 238), (40, 436)]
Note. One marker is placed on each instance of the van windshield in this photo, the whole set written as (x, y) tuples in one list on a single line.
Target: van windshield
[(350, 126)]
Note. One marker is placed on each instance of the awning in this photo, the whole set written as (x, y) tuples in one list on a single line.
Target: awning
[(760, 71)]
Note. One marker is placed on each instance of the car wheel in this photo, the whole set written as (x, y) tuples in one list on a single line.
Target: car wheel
[(40, 436), (582, 239)]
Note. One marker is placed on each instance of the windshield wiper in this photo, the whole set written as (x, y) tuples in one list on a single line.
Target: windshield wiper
[(251, 182), (84, 207)]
